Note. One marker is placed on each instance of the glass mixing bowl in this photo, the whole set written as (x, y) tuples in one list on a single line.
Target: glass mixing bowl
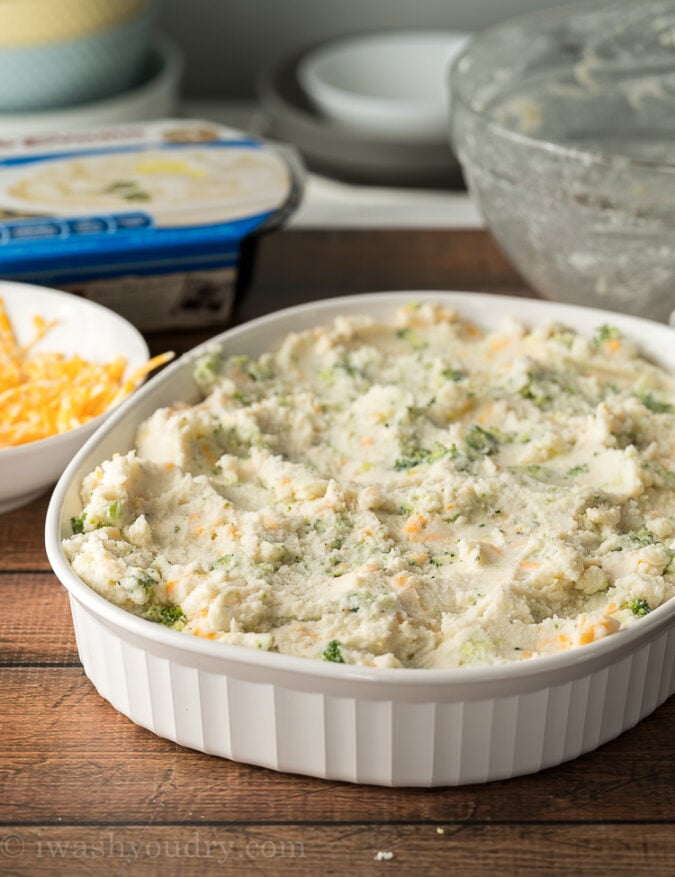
[(564, 123)]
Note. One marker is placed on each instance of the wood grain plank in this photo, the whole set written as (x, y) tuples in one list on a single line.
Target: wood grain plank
[(36, 628), (337, 850), (22, 542), (66, 753), (297, 266), (302, 265)]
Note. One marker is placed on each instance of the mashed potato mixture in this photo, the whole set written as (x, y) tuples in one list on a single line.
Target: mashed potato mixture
[(416, 493), (151, 178)]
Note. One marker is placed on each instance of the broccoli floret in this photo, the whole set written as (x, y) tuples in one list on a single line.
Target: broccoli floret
[(77, 524), (171, 616), (639, 607), (416, 457), (605, 332), (481, 441), (115, 510), (421, 455), (332, 652), (655, 405), (409, 335), (223, 562), (147, 581), (536, 391), (643, 536), (207, 368), (259, 370)]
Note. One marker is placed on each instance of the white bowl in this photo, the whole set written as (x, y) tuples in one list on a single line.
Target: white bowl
[(392, 84), (155, 97), (399, 727), (85, 328)]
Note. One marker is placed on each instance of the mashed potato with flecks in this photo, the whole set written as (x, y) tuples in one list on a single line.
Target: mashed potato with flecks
[(417, 493)]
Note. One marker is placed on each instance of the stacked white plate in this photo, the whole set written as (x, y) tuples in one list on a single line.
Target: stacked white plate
[(369, 108)]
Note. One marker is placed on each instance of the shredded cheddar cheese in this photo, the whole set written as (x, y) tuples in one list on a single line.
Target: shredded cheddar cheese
[(44, 394)]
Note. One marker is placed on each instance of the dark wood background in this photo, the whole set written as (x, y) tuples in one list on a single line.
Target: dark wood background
[(84, 791)]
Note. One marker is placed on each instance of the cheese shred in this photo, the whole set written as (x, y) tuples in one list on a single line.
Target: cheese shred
[(47, 393)]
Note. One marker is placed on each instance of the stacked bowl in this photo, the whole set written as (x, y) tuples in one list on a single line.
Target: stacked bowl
[(80, 63)]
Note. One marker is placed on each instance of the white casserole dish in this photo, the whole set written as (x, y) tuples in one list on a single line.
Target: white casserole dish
[(397, 727)]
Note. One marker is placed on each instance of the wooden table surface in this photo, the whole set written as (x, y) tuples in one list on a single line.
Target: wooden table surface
[(84, 791)]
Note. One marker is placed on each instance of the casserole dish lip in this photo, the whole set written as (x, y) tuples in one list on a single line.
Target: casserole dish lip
[(273, 326)]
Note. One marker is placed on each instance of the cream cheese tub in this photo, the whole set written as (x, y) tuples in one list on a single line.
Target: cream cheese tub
[(339, 720), (147, 219)]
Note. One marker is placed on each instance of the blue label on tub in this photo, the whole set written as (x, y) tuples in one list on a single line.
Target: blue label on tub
[(189, 202), (117, 243), (33, 230), (14, 232)]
